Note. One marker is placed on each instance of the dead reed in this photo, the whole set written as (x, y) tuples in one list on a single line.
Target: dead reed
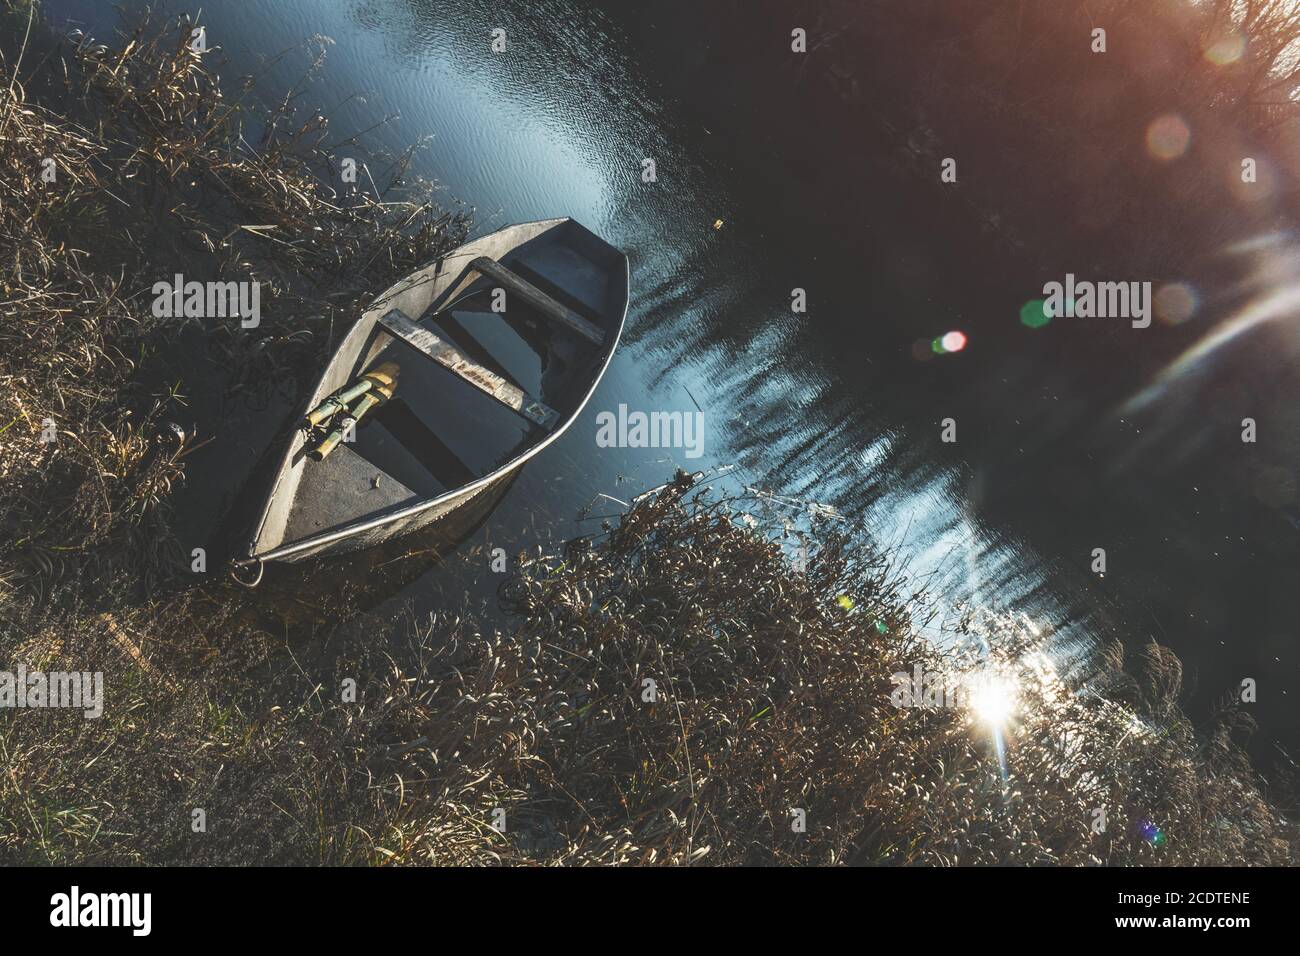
[(148, 172), (769, 686), (771, 695)]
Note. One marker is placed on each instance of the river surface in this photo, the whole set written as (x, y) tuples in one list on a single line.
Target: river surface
[(832, 404)]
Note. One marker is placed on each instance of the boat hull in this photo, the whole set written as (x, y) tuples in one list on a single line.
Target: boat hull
[(431, 288), (440, 508)]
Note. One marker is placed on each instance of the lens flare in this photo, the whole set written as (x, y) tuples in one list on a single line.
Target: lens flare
[(1252, 179), (1151, 833), (953, 341), (993, 700), (1276, 304), (1175, 303), (1226, 49), (1168, 137), (1034, 314)]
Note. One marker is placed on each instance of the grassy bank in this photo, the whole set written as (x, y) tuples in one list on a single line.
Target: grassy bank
[(771, 694), (674, 690)]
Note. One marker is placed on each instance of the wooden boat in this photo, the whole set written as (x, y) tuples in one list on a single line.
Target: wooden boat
[(475, 391)]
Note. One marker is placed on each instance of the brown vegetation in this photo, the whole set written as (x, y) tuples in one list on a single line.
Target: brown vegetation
[(771, 694), (772, 685)]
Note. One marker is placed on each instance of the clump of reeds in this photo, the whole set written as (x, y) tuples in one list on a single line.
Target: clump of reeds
[(129, 165), (770, 701), (74, 456), (143, 172), (671, 692)]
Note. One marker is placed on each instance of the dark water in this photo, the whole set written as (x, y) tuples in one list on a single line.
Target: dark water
[(1067, 439)]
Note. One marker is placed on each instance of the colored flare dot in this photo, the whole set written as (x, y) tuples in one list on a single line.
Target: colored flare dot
[(1175, 303), (1034, 314), (953, 342), (1226, 49), (1168, 137), (1151, 833)]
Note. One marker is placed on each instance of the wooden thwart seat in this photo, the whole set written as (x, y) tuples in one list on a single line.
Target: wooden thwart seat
[(428, 344), (538, 299)]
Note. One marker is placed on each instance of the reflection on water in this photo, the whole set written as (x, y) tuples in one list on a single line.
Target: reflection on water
[(832, 404)]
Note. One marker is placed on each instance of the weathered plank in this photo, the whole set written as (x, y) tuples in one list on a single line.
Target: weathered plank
[(538, 299), (490, 383)]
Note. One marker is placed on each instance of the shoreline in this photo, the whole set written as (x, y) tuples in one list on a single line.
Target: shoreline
[(769, 684)]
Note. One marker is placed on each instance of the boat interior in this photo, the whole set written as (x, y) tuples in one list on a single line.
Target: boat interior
[(448, 423)]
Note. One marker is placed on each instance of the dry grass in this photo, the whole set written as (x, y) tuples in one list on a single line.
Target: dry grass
[(773, 685), (773, 693), (152, 173)]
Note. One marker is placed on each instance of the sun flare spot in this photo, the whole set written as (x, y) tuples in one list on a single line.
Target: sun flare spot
[(953, 341), (993, 700), (1175, 303), (1226, 49), (1168, 137)]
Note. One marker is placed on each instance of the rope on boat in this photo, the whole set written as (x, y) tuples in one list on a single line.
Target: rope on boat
[(261, 569)]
